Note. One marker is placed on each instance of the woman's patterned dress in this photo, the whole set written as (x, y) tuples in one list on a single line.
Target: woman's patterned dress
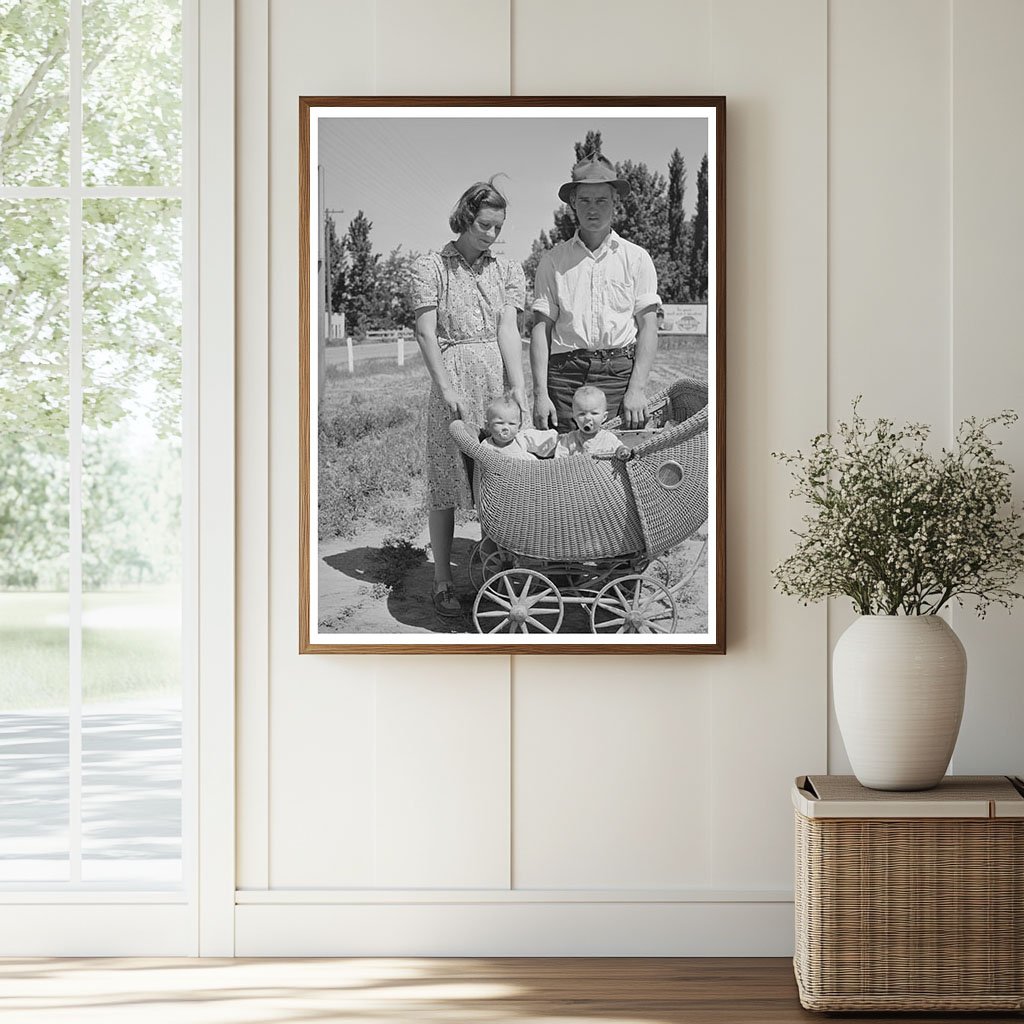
[(469, 301)]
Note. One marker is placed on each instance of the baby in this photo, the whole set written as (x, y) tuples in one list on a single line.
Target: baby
[(590, 410), (503, 416)]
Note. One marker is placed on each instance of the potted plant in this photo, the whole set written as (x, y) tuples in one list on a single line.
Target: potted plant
[(903, 532)]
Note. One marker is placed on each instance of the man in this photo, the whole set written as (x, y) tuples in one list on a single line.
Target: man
[(596, 297)]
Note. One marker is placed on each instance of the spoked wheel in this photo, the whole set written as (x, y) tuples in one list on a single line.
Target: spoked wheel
[(658, 569), (634, 604), (518, 601), (484, 564)]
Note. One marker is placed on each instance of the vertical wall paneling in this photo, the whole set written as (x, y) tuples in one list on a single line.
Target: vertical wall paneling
[(769, 692), (216, 711), (579, 48), (323, 812), (987, 368), (252, 310), (321, 708), (442, 48), (442, 776), (889, 209), (611, 775), (889, 247)]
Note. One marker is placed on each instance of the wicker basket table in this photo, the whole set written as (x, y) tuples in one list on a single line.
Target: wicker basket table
[(910, 901)]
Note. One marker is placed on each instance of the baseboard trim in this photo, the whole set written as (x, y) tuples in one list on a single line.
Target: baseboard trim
[(350, 897), (515, 928), (97, 929)]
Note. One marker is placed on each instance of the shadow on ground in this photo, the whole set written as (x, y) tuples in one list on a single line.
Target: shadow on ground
[(411, 602)]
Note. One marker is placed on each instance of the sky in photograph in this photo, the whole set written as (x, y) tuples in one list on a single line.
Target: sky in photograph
[(406, 174)]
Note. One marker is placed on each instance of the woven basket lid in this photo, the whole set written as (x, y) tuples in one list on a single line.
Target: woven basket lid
[(957, 796)]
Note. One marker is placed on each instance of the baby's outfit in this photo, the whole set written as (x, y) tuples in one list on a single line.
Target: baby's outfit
[(604, 442), (527, 444)]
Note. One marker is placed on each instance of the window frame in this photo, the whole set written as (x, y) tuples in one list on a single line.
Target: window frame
[(75, 918)]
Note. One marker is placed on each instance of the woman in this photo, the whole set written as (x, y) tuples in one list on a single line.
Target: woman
[(466, 301)]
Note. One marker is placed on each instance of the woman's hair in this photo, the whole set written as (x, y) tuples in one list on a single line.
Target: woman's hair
[(480, 193)]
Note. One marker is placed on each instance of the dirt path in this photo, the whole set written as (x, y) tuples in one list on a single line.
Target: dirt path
[(355, 598)]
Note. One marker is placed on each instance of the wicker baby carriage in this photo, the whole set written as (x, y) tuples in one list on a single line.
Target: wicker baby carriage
[(584, 530)]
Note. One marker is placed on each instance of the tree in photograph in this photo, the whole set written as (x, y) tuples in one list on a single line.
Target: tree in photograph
[(698, 255), (361, 278), (394, 289), (537, 249), (336, 263), (642, 215), (565, 225), (590, 146), (674, 287)]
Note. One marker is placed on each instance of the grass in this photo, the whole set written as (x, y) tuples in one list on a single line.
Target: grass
[(130, 647), (371, 450)]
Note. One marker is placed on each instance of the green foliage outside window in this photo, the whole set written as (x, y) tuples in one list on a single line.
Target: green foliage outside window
[(131, 303)]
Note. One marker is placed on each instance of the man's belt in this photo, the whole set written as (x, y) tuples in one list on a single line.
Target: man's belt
[(598, 354)]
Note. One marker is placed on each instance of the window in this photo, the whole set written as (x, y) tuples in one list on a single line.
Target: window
[(95, 465)]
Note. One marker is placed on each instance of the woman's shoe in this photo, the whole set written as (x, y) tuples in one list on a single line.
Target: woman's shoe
[(445, 601)]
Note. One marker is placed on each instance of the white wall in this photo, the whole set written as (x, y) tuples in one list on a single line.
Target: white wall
[(626, 805)]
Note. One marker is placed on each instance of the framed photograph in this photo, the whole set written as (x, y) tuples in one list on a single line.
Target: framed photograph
[(512, 375)]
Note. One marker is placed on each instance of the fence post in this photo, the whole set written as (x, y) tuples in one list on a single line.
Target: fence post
[(401, 350), (351, 361)]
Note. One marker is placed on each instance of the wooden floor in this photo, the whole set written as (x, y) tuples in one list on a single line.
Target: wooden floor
[(413, 991)]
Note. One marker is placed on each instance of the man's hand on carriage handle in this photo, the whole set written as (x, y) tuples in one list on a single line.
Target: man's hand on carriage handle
[(456, 404), (634, 408), (544, 415)]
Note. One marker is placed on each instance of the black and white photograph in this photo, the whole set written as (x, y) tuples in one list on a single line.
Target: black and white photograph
[(512, 375)]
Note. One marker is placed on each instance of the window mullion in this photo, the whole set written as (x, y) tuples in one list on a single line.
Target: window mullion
[(75, 344)]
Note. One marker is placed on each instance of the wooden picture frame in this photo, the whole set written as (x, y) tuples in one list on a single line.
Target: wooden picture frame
[(604, 550)]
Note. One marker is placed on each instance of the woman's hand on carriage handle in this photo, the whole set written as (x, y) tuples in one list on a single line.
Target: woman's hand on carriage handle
[(511, 347), (426, 337), (634, 408), (519, 393), (456, 403)]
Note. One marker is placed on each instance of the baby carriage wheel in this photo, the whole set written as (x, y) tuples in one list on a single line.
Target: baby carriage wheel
[(518, 601), (634, 604), (484, 564)]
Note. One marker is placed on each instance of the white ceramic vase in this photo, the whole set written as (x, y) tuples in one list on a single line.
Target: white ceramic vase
[(898, 684)]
